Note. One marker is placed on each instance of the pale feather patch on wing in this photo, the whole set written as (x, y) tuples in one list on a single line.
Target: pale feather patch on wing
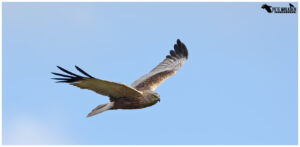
[(164, 70), (154, 81), (106, 88)]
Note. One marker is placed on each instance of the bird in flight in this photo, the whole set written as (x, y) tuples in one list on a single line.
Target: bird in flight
[(141, 92)]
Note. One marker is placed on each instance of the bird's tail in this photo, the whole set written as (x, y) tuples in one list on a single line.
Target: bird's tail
[(101, 108)]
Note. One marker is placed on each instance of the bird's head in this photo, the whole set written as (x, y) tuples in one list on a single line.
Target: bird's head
[(154, 96)]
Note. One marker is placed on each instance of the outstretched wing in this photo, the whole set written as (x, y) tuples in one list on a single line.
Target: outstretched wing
[(107, 88), (164, 70)]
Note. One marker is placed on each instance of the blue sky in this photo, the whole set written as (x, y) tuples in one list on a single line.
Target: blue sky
[(239, 85)]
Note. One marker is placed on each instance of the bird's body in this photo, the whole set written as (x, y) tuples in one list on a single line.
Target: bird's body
[(140, 94), (133, 103)]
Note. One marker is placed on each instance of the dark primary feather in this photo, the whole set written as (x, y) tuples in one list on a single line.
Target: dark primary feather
[(181, 49), (79, 69), (69, 78), (168, 56), (172, 53), (58, 74), (64, 70)]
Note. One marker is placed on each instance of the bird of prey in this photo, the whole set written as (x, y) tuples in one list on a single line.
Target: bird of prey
[(140, 94)]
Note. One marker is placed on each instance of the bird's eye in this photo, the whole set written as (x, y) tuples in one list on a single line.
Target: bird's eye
[(153, 96)]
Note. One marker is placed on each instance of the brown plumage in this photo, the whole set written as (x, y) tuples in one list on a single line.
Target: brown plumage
[(140, 94)]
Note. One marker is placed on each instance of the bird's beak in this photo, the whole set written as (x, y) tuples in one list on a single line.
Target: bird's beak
[(159, 99)]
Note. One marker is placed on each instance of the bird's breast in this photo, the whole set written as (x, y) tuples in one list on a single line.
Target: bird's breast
[(131, 103)]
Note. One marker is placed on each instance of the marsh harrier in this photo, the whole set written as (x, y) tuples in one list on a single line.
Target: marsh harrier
[(140, 94)]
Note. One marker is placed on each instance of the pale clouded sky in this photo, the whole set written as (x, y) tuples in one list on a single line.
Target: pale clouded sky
[(28, 130), (239, 85)]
